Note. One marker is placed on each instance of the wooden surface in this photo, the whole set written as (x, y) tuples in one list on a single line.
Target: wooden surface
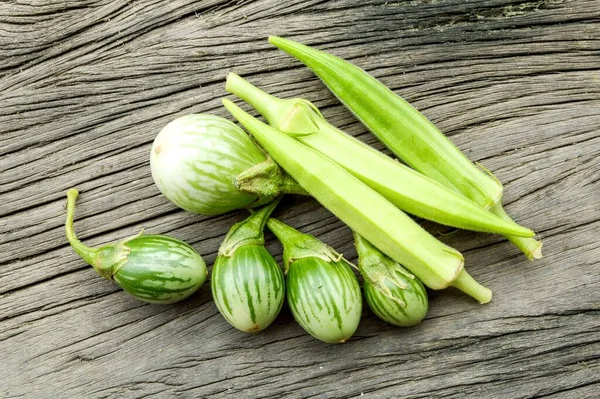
[(86, 85)]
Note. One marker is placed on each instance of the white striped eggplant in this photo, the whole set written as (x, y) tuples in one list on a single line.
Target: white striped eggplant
[(247, 284), (206, 164), (152, 268), (322, 291), (392, 293)]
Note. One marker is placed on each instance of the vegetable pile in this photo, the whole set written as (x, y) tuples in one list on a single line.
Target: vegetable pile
[(208, 165)]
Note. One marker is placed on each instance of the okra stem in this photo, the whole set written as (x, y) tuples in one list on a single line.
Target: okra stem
[(469, 286), (269, 106), (531, 247)]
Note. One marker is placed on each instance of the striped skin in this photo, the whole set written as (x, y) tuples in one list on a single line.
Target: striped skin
[(324, 298), (414, 297), (248, 288), (195, 160), (160, 269)]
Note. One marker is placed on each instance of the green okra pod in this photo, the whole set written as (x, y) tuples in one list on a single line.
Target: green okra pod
[(364, 210), (406, 132), (406, 188)]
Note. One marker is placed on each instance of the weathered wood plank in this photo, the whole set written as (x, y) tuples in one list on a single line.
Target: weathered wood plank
[(86, 87)]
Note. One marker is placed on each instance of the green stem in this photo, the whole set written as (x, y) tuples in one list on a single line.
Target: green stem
[(469, 286), (288, 185), (88, 254), (297, 245), (267, 105), (107, 259), (267, 181), (284, 115), (531, 247), (248, 231)]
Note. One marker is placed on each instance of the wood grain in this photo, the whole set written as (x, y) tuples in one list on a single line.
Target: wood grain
[(85, 87)]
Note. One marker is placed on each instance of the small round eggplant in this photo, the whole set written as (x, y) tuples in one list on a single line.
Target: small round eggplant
[(247, 283), (402, 306), (152, 268), (208, 165), (391, 292), (322, 291), (248, 288), (324, 298)]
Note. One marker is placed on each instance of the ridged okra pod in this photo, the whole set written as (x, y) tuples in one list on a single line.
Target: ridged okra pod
[(364, 210), (406, 132), (406, 188)]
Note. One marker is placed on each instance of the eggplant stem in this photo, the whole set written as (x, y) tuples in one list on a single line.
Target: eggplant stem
[(249, 231), (267, 181), (88, 254), (297, 245)]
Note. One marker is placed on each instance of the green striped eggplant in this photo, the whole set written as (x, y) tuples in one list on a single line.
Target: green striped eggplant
[(152, 268), (392, 293), (208, 165), (322, 291), (247, 283)]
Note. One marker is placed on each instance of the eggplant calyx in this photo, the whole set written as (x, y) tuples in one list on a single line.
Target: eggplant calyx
[(297, 245), (380, 270), (248, 231), (267, 180), (109, 259)]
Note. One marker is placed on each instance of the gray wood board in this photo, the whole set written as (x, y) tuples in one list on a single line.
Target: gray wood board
[(85, 87)]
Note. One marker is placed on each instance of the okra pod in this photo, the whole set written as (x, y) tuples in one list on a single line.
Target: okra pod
[(406, 188), (364, 210), (406, 132)]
